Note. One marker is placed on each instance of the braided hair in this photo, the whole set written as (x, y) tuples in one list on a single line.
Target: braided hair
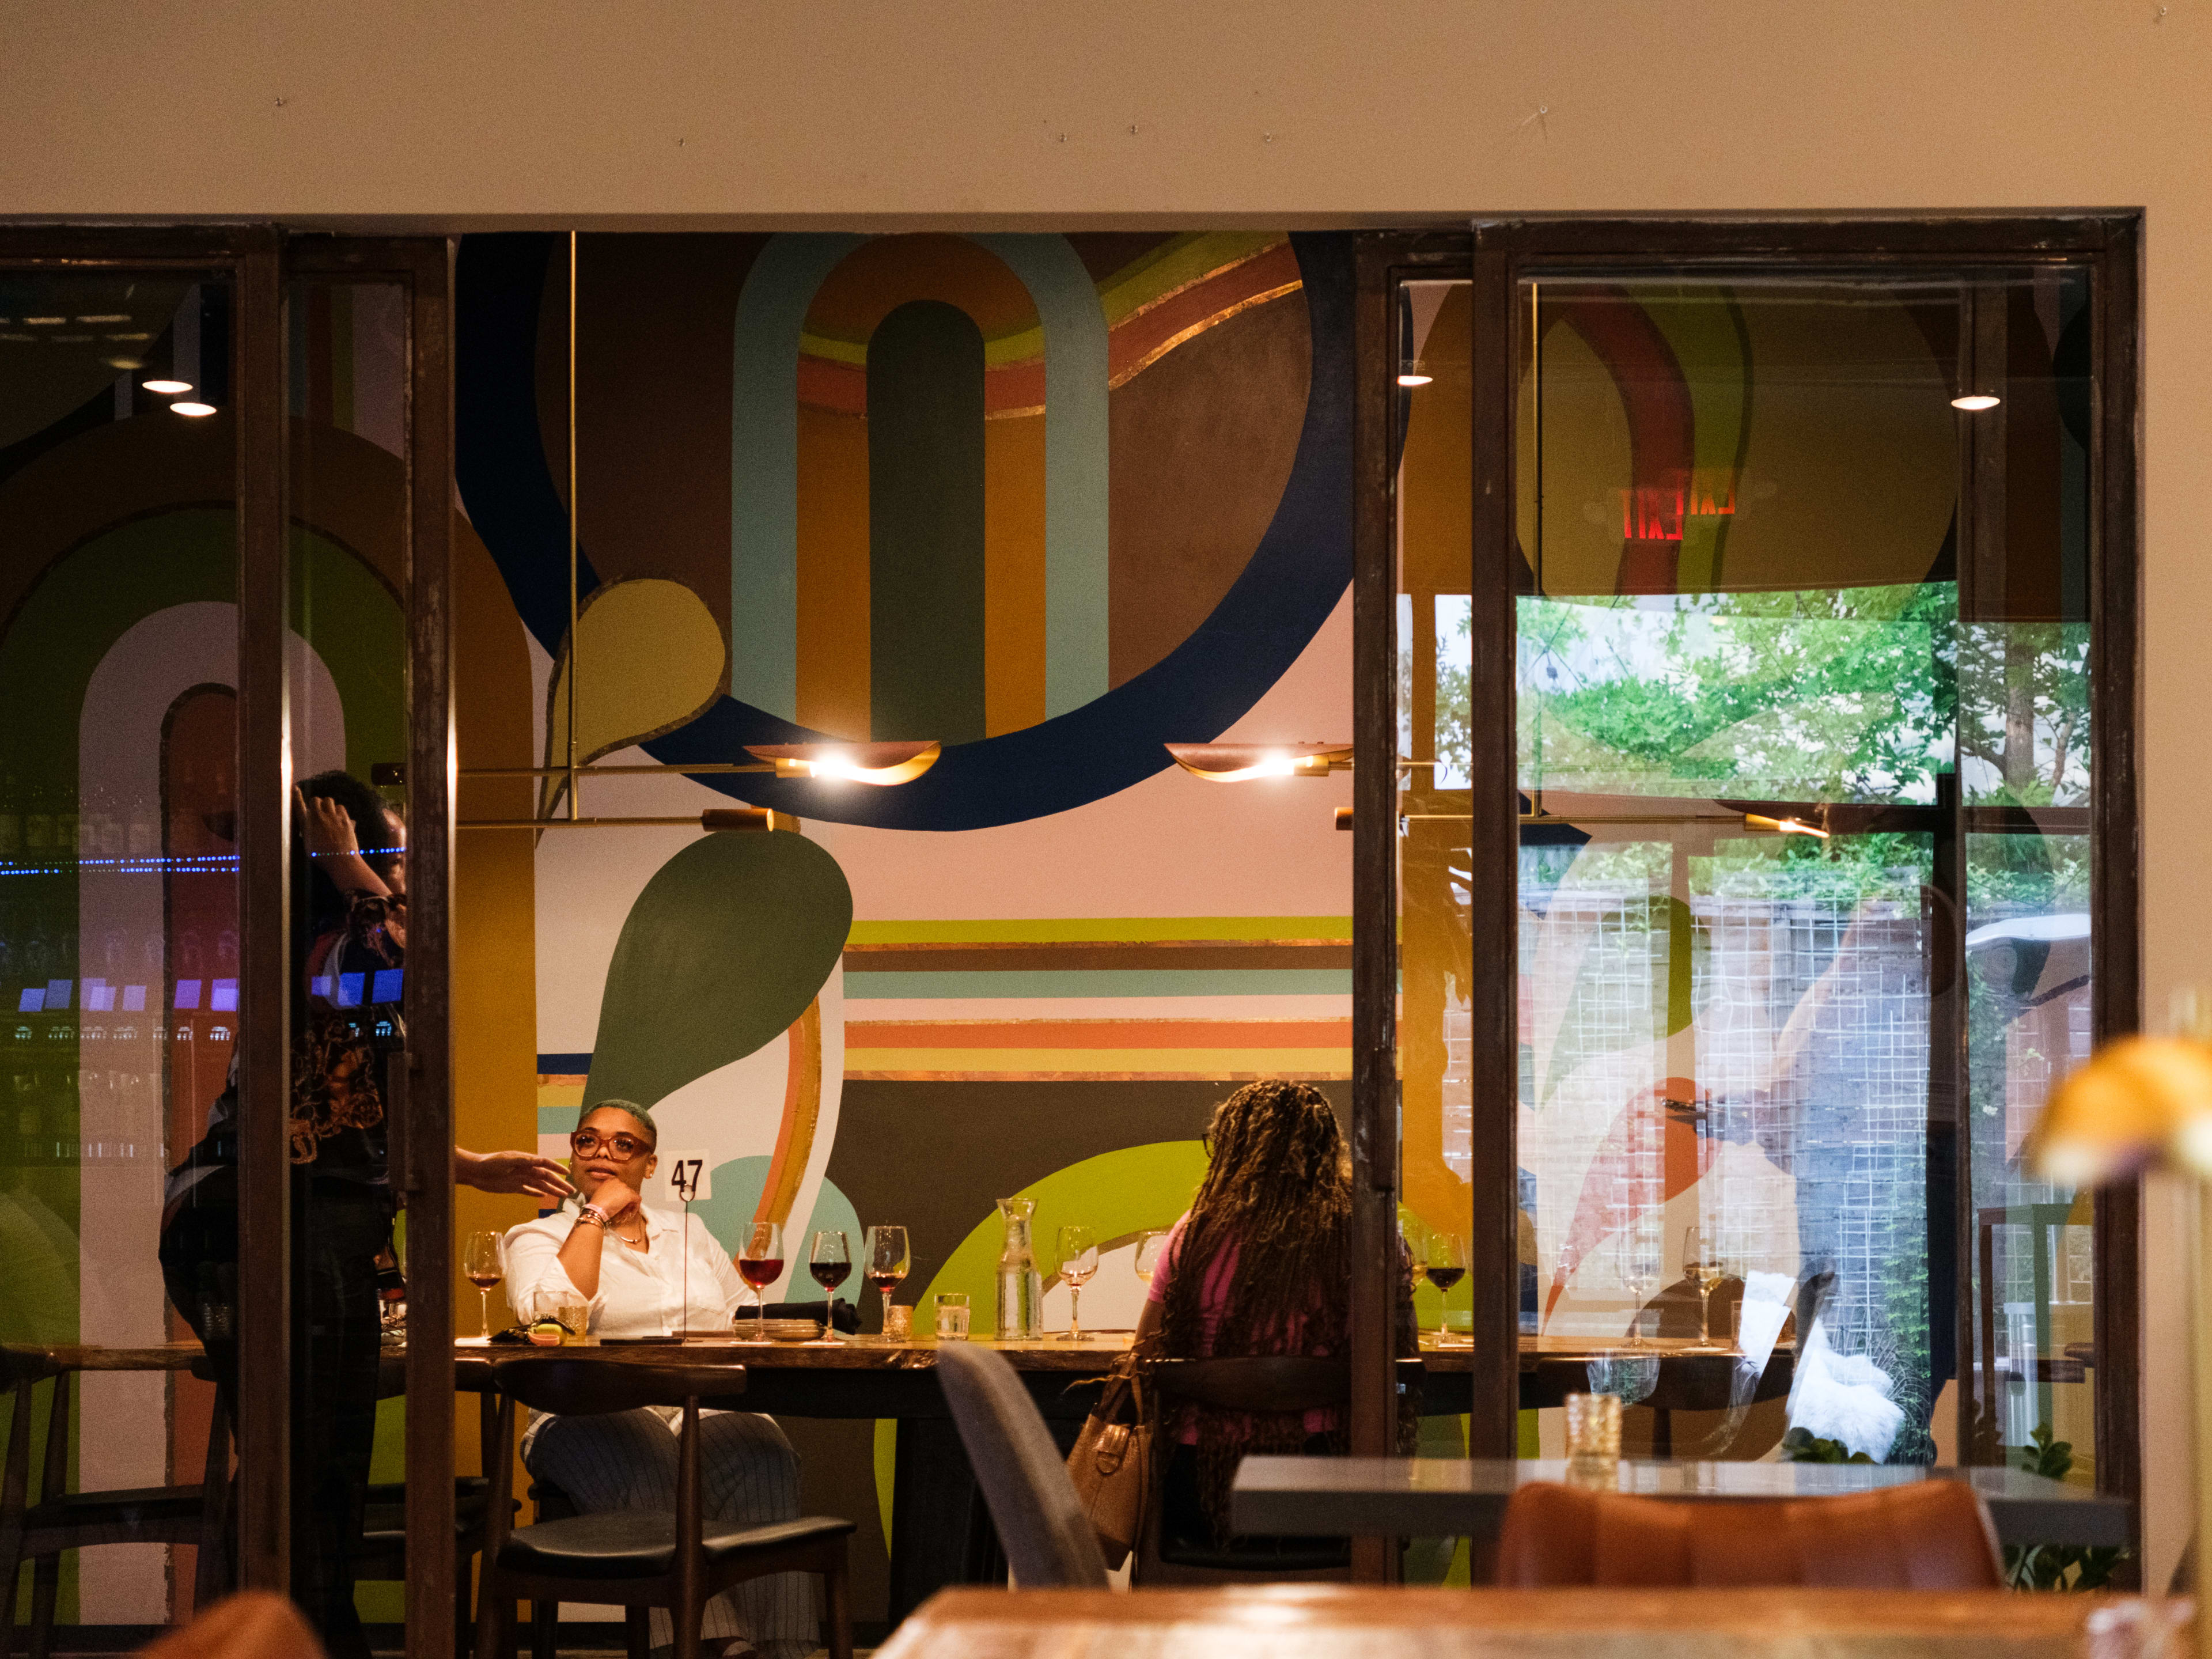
[(1278, 1191)]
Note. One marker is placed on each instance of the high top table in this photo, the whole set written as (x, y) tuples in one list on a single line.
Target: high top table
[(1452, 1497)]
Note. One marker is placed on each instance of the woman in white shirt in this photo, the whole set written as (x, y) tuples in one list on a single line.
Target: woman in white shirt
[(644, 1273)]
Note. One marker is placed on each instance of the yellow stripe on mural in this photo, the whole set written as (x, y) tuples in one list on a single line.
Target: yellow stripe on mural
[(1181, 264), (1190, 1062)]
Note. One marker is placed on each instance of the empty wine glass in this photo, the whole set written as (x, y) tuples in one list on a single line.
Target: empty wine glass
[(1149, 1247), (1704, 1265), (1639, 1279), (1078, 1259), (481, 1265), (760, 1262), (889, 1259)]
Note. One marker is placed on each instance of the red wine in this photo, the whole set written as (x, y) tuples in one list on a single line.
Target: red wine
[(1444, 1278), (483, 1281), (885, 1282), (830, 1274), (762, 1272)]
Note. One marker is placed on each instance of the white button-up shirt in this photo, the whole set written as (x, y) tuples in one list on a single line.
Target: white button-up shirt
[(684, 1283)]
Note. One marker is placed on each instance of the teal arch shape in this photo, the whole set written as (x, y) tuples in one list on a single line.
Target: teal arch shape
[(1076, 449), (771, 309), (764, 465), (1134, 1189)]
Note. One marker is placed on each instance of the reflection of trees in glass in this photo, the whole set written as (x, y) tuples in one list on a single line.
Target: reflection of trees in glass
[(1819, 694), (2024, 698)]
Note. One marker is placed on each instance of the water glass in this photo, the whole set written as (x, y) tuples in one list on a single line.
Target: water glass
[(1593, 1434), (952, 1316), (577, 1316)]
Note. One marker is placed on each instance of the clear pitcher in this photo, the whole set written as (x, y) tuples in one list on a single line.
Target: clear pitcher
[(1021, 1290)]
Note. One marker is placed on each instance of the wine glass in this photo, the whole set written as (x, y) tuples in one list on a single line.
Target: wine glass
[(888, 1261), (1078, 1259), (829, 1260), (760, 1262), (1414, 1234), (1639, 1277), (1149, 1247), (1703, 1266), (481, 1266), (1444, 1266)]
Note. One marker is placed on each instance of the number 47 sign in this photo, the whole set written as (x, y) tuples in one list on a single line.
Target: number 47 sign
[(688, 1174)]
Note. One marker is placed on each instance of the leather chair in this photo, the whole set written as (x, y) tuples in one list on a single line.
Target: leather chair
[(1023, 1472), (638, 1558), (61, 1519), (1931, 1535)]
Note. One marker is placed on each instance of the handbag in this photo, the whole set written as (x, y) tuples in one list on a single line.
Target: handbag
[(1112, 1463)]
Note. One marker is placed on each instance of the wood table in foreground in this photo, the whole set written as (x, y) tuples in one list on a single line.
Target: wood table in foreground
[(1346, 1621), (1448, 1497)]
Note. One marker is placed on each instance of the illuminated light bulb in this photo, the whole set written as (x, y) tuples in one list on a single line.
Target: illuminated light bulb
[(167, 388), (1974, 403), (194, 410), (1413, 377)]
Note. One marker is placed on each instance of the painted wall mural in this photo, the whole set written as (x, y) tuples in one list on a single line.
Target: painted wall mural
[(1049, 501)]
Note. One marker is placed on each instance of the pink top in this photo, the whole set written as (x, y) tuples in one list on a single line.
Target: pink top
[(1212, 1301)]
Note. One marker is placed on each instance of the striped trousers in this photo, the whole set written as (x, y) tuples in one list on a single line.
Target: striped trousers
[(748, 1475)]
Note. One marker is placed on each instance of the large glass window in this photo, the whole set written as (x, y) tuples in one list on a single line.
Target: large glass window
[(1803, 751)]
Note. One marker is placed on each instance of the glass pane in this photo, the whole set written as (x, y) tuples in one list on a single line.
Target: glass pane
[(118, 915), (1792, 694), (348, 400), (1436, 954)]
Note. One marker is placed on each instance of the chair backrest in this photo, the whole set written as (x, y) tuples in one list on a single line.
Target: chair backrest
[(593, 1388), (1934, 1535), (1255, 1382), (1047, 1538)]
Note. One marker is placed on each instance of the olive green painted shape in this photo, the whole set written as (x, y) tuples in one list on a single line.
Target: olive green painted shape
[(724, 949), (1134, 1190)]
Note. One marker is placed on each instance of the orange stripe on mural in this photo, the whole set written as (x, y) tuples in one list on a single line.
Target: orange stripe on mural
[(1143, 339), (1099, 1034), (832, 573)]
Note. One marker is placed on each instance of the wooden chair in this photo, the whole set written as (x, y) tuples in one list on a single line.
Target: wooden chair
[(1264, 1383), (1932, 1536), (60, 1519), (638, 1558)]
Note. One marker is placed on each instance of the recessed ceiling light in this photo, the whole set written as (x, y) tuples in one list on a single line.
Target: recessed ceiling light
[(167, 388), (1975, 402), (125, 362), (192, 409), (110, 317), (130, 336), (45, 319)]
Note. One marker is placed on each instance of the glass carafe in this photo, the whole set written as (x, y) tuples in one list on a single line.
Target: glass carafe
[(1021, 1292)]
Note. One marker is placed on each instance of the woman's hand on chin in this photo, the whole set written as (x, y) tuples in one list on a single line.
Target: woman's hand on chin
[(615, 1197)]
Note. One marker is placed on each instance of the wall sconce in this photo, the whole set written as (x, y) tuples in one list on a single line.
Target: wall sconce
[(850, 762), (1238, 762)]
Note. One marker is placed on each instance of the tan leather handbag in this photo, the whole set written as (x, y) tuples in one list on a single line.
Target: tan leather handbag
[(1112, 1462)]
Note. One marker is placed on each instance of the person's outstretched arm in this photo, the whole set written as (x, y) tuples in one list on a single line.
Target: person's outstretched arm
[(512, 1172)]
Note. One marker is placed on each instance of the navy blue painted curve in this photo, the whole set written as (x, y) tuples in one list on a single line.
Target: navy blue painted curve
[(1271, 612)]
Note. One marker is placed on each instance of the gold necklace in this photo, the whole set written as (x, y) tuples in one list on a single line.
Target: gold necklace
[(638, 1243)]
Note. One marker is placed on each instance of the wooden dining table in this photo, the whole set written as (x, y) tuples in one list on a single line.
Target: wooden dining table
[(1351, 1621)]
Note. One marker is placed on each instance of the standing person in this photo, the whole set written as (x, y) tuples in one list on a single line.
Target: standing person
[(644, 1272), (1260, 1264), (349, 949)]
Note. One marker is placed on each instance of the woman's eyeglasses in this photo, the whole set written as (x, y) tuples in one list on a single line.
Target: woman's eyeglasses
[(587, 1141)]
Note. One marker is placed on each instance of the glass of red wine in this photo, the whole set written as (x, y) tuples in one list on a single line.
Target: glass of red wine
[(830, 1259), (1446, 1267), (887, 1264), (760, 1263)]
